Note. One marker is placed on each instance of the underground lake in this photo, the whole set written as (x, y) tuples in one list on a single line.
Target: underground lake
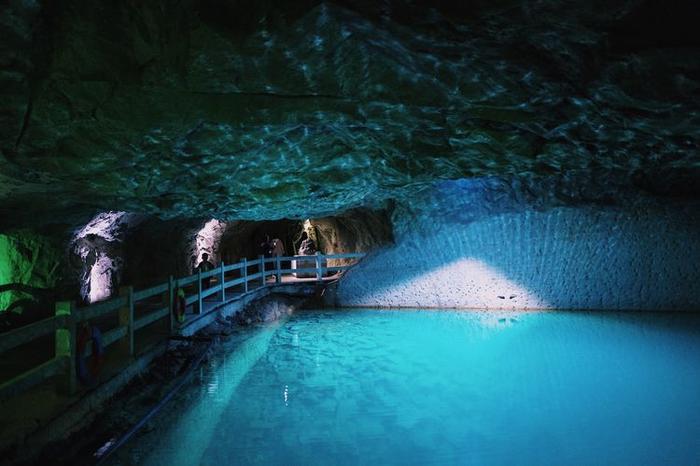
[(367, 386)]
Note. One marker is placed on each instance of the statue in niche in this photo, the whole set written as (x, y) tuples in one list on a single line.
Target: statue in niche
[(308, 247)]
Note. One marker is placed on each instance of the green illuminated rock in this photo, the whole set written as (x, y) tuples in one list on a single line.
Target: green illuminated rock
[(29, 268)]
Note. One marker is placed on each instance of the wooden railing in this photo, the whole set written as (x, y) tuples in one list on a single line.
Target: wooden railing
[(153, 304)]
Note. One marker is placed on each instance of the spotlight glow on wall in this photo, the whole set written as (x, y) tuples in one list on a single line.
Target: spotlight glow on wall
[(464, 283), (100, 238), (101, 279), (480, 285), (208, 239)]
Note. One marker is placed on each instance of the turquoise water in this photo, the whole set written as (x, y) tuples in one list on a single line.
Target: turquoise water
[(441, 387)]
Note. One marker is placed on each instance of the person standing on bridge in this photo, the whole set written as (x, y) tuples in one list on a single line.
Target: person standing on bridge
[(277, 247), (205, 266), (266, 247), (278, 251)]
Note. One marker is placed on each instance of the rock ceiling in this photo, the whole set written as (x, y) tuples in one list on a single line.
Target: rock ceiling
[(270, 109)]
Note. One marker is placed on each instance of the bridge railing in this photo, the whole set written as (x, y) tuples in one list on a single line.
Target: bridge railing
[(122, 316)]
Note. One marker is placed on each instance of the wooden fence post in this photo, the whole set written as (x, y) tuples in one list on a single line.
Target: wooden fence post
[(262, 269), (319, 275), (221, 282), (171, 302), (199, 291), (126, 319), (65, 345), (245, 274), (279, 269)]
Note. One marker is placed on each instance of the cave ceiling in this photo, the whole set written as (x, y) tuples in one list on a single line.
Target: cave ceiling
[(270, 109)]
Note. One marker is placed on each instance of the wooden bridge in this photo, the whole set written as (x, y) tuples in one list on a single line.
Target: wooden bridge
[(136, 320)]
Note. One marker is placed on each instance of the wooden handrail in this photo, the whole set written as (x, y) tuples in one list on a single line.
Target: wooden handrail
[(93, 311), (237, 265), (353, 255), (184, 281), (22, 335), (306, 270), (67, 316), (32, 377), (211, 272), (148, 292), (210, 291), (151, 317), (234, 282)]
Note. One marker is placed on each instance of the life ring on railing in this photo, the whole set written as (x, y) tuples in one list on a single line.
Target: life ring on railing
[(179, 306), (88, 368)]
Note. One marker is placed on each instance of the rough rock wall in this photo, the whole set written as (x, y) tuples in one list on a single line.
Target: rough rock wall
[(262, 110), (358, 230), (118, 248), (462, 246), (97, 255), (269, 309), (156, 249), (243, 238), (355, 230), (208, 240), (29, 269)]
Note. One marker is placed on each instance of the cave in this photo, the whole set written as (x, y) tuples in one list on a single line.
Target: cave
[(390, 232)]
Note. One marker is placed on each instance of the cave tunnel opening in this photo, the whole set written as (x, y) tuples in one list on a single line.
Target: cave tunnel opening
[(116, 249), (244, 239)]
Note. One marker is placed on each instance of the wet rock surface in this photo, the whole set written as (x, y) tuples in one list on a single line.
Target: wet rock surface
[(264, 110), (268, 309), (358, 230)]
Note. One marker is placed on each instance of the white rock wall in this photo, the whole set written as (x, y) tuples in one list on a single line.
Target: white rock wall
[(641, 257), (207, 241)]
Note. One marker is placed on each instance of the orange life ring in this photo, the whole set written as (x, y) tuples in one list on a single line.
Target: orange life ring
[(179, 306)]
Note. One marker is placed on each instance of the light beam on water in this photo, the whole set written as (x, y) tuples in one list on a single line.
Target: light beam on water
[(194, 427)]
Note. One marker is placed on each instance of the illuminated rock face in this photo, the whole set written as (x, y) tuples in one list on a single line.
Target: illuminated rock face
[(96, 252), (265, 110), (116, 249), (29, 269), (360, 230), (451, 252)]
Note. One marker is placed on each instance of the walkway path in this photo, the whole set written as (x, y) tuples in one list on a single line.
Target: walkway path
[(38, 361)]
